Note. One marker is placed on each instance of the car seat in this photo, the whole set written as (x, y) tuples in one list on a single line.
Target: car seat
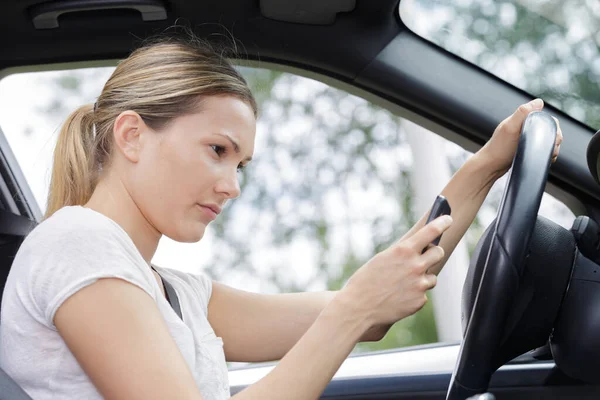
[(13, 229)]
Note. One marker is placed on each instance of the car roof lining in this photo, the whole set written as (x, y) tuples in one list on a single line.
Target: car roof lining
[(357, 36)]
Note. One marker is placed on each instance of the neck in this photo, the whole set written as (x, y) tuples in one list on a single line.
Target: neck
[(112, 199)]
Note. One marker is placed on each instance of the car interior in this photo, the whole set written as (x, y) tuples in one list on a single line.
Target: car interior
[(533, 287)]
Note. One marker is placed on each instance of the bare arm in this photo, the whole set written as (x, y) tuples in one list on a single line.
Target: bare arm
[(261, 327), (465, 192), (276, 322), (386, 289), (469, 187), (272, 324), (116, 332), (308, 367), (257, 327), (119, 338)]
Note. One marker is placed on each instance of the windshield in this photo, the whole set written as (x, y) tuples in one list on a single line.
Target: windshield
[(548, 48)]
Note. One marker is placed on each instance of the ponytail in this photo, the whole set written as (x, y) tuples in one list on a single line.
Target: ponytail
[(72, 179)]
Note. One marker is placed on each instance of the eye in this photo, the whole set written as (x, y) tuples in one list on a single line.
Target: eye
[(220, 150)]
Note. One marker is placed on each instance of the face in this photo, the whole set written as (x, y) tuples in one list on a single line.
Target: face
[(184, 174)]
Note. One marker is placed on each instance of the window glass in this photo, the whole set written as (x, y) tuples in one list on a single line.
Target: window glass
[(334, 180), (548, 48)]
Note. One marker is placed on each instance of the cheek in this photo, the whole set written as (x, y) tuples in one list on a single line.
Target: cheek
[(180, 184), (152, 183), (179, 177), (193, 173)]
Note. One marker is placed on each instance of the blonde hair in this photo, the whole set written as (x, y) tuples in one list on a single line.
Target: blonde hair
[(164, 79)]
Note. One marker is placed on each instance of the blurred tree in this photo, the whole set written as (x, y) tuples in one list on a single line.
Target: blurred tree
[(547, 48)]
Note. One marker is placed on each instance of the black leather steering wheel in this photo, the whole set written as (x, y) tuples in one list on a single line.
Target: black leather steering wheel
[(503, 258)]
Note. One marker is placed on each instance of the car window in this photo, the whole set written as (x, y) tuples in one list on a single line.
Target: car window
[(548, 48), (334, 180)]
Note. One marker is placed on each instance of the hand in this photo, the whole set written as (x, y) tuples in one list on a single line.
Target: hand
[(501, 148), (392, 285)]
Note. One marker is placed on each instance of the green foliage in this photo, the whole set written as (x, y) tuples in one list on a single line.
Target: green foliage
[(70, 83)]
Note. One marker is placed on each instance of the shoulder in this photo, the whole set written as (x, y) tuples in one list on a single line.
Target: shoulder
[(75, 222), (71, 250), (79, 238), (76, 231)]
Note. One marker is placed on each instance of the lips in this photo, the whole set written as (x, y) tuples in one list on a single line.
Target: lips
[(213, 207)]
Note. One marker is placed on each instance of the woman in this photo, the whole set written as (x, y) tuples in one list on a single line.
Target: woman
[(85, 316)]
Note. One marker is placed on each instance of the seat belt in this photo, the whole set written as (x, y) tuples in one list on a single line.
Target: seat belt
[(172, 297)]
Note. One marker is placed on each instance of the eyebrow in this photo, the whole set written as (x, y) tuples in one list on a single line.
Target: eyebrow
[(236, 146)]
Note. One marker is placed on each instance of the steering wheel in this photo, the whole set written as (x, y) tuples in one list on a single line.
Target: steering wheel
[(502, 258)]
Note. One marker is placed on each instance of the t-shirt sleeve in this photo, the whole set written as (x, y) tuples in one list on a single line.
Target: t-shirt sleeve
[(203, 286), (73, 260)]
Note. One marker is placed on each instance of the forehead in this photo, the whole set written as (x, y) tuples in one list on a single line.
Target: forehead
[(223, 116), (231, 112)]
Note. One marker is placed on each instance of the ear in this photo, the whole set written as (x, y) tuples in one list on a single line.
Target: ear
[(127, 131)]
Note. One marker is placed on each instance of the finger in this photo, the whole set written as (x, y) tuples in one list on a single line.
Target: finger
[(429, 281), (514, 122), (429, 232), (432, 256)]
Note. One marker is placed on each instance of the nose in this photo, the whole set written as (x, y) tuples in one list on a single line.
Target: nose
[(229, 185)]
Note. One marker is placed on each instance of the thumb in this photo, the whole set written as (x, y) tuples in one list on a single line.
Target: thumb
[(515, 121)]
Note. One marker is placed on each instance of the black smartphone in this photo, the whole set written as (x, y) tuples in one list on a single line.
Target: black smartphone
[(440, 207)]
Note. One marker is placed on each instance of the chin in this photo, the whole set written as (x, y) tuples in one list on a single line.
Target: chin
[(192, 234)]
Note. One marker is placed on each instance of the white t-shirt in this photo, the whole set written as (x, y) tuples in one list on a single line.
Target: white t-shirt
[(67, 252)]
